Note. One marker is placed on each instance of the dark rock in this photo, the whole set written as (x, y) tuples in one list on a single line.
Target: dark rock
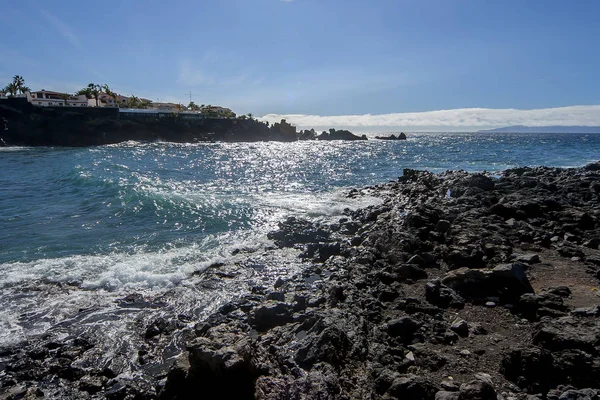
[(528, 258), (507, 281), (529, 368), (442, 296), (403, 328), (568, 333), (270, 314), (332, 346), (477, 390), (533, 306), (592, 243), (298, 231), (461, 327), (445, 395), (583, 394), (412, 387)]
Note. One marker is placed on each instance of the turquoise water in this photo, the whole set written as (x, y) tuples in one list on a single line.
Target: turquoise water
[(81, 228)]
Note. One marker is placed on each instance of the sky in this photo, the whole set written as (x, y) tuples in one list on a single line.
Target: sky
[(371, 64)]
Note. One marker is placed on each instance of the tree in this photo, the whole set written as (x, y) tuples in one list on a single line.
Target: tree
[(19, 83), (133, 102), (86, 92), (11, 89), (250, 115), (16, 86), (110, 93), (180, 107), (193, 106), (66, 97), (95, 91)]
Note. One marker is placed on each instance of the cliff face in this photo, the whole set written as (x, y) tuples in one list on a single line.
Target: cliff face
[(22, 124)]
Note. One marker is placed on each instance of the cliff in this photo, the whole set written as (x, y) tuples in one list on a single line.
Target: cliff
[(22, 124)]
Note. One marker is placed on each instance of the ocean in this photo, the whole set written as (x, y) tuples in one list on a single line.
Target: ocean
[(85, 230)]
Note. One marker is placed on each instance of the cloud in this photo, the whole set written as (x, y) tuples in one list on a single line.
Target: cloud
[(192, 76), (62, 29), (459, 118)]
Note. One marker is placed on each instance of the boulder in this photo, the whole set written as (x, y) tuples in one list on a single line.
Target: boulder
[(412, 387), (403, 328), (270, 314), (477, 390), (507, 282), (461, 327), (442, 295)]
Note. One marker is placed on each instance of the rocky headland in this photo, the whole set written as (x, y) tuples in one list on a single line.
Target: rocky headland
[(401, 136), (458, 286), (23, 124)]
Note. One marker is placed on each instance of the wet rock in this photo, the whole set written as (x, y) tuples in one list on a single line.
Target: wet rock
[(298, 231)]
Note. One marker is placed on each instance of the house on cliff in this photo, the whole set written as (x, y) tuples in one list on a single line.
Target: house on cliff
[(47, 98)]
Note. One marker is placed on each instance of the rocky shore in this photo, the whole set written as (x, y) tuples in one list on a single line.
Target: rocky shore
[(458, 286)]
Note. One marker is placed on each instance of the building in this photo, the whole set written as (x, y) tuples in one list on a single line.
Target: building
[(46, 98), (172, 107), (105, 100), (216, 110)]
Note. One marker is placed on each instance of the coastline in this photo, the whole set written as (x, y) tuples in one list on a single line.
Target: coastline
[(455, 275), (23, 124)]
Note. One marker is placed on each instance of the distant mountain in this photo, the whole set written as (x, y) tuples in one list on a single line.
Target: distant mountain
[(544, 129)]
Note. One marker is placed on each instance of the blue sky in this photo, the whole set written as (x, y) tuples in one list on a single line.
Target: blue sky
[(314, 57)]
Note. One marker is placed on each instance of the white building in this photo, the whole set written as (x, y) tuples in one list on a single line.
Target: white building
[(216, 110), (47, 98)]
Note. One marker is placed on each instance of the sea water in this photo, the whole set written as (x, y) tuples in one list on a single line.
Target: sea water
[(83, 228)]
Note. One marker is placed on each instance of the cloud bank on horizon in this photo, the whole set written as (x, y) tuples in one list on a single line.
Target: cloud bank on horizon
[(457, 119)]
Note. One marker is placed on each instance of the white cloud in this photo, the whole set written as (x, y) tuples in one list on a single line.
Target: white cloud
[(462, 118), (192, 76), (63, 29)]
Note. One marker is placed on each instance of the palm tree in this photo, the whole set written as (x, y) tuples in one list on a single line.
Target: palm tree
[(25, 89), (250, 115), (193, 106), (133, 102), (95, 91), (66, 97), (110, 93), (11, 89), (86, 92), (180, 107), (19, 82)]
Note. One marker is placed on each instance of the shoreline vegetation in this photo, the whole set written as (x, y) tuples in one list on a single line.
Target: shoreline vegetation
[(458, 286)]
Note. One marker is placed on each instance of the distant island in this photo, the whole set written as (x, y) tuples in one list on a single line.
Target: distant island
[(543, 129)]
